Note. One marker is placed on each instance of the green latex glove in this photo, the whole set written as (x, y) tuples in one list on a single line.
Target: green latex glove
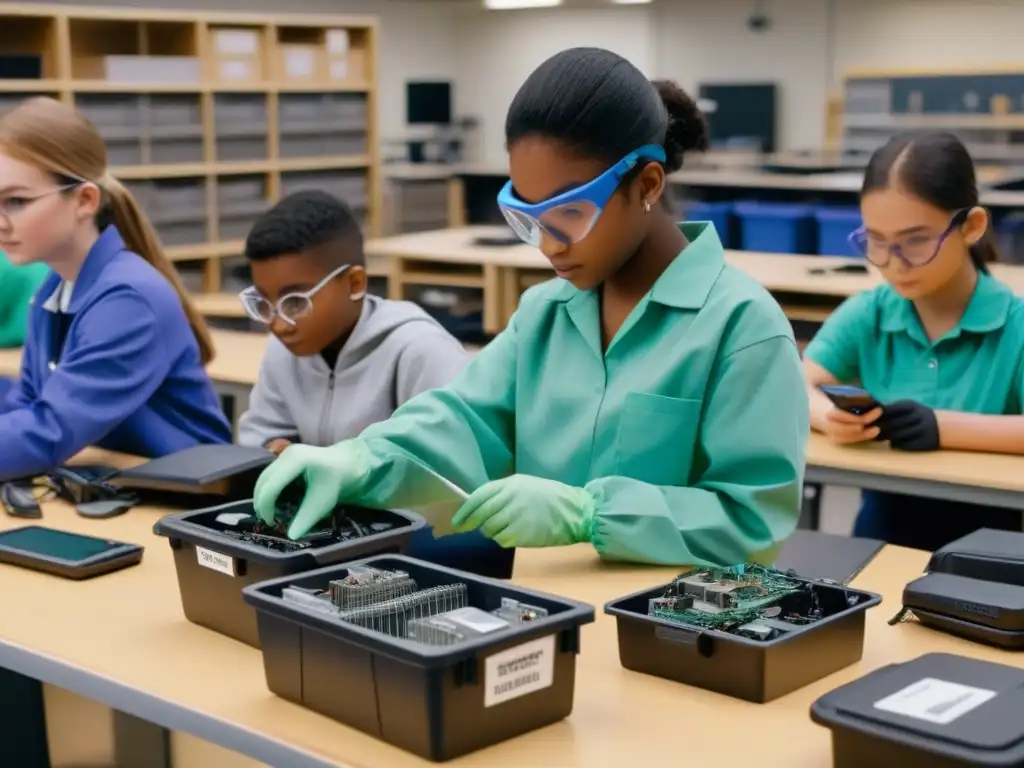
[(331, 475), (527, 511)]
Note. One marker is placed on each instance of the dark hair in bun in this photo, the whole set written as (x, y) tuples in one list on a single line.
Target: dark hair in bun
[(604, 107), (687, 129)]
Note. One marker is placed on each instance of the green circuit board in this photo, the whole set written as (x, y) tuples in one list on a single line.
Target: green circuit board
[(744, 599)]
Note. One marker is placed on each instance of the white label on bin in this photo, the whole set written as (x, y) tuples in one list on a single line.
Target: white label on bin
[(215, 561), (518, 671), (299, 63), (937, 701), (337, 40), (236, 42), (339, 69), (236, 69)]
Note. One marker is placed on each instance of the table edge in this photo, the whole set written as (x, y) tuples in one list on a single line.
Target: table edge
[(152, 708), (914, 486)]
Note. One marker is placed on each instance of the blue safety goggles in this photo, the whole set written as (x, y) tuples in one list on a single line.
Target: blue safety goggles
[(570, 216)]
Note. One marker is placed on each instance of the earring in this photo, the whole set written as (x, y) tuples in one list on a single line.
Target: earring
[(647, 206)]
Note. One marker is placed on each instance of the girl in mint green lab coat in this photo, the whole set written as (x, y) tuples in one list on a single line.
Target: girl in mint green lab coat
[(649, 401)]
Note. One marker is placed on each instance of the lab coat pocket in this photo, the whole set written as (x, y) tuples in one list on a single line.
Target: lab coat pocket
[(656, 438)]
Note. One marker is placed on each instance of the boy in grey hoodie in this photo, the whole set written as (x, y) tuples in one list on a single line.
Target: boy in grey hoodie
[(339, 359)]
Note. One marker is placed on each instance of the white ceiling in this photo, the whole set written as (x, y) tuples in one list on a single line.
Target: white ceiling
[(565, 3)]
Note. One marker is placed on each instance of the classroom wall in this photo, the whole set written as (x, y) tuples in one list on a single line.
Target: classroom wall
[(710, 42), (929, 33), (498, 50), (809, 46)]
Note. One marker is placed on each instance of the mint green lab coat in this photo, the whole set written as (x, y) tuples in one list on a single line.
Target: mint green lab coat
[(689, 432)]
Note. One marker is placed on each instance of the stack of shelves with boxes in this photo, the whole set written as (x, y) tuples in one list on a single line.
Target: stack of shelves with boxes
[(984, 108), (209, 117)]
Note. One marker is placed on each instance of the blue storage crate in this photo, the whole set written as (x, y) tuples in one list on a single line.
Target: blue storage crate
[(719, 214), (776, 227), (834, 227), (1010, 236)]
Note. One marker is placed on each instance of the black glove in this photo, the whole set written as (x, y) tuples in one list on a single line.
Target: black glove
[(909, 426)]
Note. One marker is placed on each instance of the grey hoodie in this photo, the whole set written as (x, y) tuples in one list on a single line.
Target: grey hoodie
[(395, 352)]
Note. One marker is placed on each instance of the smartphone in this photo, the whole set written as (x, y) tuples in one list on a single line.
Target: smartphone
[(69, 555), (850, 399), (845, 269)]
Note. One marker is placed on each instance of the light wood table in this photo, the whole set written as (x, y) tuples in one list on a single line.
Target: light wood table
[(219, 305), (977, 478), (122, 640), (104, 458), (450, 257), (750, 176)]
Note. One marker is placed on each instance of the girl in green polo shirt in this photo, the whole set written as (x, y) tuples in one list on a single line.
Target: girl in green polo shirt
[(17, 287), (939, 345)]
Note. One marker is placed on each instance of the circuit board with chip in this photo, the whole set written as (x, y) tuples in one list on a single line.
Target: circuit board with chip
[(749, 600)]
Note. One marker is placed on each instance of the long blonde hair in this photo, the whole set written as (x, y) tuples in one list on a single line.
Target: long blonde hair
[(59, 140)]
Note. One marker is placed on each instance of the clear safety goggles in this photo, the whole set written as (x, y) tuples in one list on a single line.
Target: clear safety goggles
[(570, 216), (291, 307)]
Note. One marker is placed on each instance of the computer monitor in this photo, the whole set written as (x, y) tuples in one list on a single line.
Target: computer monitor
[(428, 103)]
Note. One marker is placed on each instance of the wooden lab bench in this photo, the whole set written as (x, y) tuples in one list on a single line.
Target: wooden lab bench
[(450, 257)]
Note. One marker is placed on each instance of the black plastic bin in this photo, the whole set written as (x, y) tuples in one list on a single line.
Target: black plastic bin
[(754, 670), (936, 711), (438, 702), (213, 568)]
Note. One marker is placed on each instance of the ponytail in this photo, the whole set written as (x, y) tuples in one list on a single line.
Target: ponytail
[(141, 238), (59, 140), (985, 252)]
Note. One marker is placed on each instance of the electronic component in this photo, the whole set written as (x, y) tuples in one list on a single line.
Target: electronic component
[(516, 612), (316, 599), (392, 617), (364, 586), (465, 623), (752, 601), (341, 526), (455, 626), (391, 602), (62, 553)]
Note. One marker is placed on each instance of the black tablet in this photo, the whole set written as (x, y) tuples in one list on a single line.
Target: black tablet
[(70, 555)]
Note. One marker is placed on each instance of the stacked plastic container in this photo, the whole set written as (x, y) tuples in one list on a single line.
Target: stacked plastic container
[(1011, 238), (350, 186), (776, 227), (834, 227), (240, 201), (240, 121), (322, 124), (719, 214)]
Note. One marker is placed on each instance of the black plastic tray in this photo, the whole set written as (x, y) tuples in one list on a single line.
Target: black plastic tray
[(985, 554), (984, 611), (757, 671), (228, 471), (429, 700), (213, 568), (936, 711)]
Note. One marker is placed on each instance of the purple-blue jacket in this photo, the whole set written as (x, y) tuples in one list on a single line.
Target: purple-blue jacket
[(115, 366)]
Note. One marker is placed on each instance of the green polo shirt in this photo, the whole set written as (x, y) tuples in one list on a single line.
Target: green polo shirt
[(876, 339), (17, 287)]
